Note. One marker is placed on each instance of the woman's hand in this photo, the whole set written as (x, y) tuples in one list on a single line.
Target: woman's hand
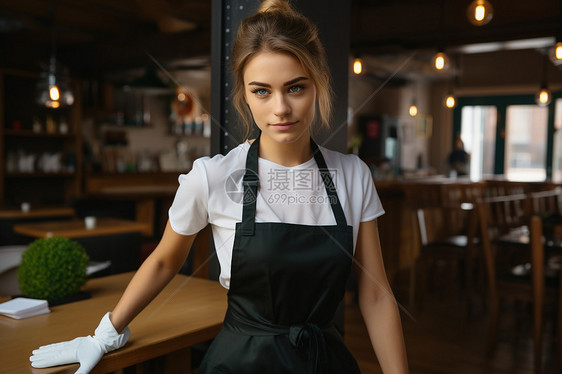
[(87, 350)]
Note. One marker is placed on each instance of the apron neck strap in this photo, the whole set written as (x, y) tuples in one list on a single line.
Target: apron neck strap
[(329, 185), (251, 182)]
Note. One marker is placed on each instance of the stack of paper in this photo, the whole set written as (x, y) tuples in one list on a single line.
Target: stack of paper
[(22, 307)]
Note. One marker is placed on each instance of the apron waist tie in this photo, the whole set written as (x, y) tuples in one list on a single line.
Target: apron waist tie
[(308, 337)]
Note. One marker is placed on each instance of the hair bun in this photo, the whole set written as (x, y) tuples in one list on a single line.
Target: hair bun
[(275, 6)]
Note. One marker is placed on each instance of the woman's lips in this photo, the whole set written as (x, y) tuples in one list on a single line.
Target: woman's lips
[(284, 126)]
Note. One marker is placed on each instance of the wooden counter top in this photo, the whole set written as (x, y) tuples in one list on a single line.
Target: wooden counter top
[(188, 311)]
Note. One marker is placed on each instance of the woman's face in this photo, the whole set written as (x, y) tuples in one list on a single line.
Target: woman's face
[(281, 96)]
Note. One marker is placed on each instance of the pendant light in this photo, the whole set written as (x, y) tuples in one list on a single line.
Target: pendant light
[(555, 53), (480, 12), (440, 61), (413, 110), (558, 51), (544, 96), (357, 65), (450, 100), (53, 87)]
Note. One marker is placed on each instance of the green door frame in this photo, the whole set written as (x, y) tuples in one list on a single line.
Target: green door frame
[(501, 103)]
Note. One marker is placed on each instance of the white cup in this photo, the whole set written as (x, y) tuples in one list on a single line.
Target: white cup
[(90, 222), (25, 207)]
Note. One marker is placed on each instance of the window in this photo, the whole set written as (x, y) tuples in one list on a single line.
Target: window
[(478, 132), (511, 136), (525, 142)]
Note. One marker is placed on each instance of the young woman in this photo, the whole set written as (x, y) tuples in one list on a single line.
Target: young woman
[(287, 246)]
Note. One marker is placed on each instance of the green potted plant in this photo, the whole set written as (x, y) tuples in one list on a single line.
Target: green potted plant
[(53, 269)]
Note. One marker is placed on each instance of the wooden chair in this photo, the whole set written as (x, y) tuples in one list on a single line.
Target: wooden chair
[(443, 232), (500, 187), (546, 288), (441, 252), (548, 205), (544, 203), (498, 216)]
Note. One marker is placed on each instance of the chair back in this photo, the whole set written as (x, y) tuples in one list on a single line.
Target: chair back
[(497, 216), (459, 198), (544, 203), (498, 188), (432, 224)]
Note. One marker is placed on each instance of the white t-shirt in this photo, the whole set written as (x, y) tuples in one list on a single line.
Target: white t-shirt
[(212, 193)]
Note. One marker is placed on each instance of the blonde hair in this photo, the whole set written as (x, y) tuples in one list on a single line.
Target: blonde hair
[(276, 27)]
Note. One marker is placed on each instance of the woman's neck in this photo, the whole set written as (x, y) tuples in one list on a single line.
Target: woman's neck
[(286, 154)]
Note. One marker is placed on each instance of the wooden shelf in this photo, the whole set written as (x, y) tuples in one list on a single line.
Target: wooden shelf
[(18, 112)]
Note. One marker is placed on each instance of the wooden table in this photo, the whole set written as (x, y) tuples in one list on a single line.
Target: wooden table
[(151, 202), (112, 239), (10, 216), (188, 311), (41, 212), (77, 228)]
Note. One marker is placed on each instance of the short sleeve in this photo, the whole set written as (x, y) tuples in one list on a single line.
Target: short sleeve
[(372, 206), (188, 213)]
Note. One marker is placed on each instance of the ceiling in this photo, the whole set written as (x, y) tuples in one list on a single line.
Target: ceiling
[(94, 37)]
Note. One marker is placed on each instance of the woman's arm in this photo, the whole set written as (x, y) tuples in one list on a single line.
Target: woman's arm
[(377, 302), (153, 275)]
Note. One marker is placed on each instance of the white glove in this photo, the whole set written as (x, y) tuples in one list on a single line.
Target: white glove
[(87, 350)]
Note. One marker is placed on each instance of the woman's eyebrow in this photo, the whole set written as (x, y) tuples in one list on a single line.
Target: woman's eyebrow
[(254, 83), (292, 81)]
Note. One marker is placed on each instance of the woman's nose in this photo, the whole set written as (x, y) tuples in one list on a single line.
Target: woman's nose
[(282, 107)]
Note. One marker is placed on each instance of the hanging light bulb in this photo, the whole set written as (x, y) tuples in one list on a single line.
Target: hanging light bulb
[(53, 89), (357, 66), (558, 51), (54, 93), (555, 54), (440, 61), (413, 110), (543, 97), (450, 101), (480, 12)]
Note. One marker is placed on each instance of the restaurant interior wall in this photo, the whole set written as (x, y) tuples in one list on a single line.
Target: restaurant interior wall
[(374, 97), (495, 73)]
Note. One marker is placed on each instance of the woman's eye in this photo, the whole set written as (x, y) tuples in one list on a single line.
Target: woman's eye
[(295, 89), (260, 91)]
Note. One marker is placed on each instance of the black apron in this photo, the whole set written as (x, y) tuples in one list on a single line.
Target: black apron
[(287, 281)]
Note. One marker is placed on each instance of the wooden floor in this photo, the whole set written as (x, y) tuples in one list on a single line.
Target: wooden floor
[(443, 338)]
